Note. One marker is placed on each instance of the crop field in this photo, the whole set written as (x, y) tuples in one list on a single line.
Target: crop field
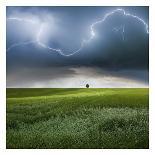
[(77, 118)]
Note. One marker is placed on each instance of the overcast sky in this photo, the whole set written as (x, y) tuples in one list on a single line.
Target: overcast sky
[(117, 56)]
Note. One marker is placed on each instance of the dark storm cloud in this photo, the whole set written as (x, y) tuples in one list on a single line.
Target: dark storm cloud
[(69, 25), (59, 77), (37, 77)]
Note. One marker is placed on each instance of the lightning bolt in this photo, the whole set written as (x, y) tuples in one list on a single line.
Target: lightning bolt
[(121, 29), (20, 43), (21, 20), (84, 42)]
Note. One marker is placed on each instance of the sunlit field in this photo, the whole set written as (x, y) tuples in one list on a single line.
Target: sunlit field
[(77, 118)]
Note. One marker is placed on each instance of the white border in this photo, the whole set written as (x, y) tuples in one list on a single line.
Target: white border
[(76, 2), (2, 76), (5, 3)]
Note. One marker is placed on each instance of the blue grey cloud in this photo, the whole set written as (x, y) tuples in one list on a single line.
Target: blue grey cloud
[(120, 43)]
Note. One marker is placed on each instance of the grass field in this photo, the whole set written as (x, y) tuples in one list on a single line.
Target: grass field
[(77, 118)]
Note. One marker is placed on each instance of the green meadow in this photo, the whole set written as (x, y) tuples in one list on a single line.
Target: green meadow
[(77, 118)]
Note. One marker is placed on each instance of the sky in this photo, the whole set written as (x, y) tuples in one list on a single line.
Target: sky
[(68, 47)]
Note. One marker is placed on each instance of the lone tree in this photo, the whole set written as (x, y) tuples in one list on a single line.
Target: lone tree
[(87, 85)]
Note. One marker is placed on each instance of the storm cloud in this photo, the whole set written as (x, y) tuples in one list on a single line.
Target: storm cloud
[(109, 56)]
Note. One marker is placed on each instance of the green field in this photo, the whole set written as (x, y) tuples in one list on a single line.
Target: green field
[(77, 118)]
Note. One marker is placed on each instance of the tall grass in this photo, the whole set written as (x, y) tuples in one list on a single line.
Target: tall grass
[(77, 118)]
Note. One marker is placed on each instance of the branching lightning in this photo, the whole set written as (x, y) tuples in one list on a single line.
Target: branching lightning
[(21, 20), (20, 43), (84, 42), (120, 29)]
